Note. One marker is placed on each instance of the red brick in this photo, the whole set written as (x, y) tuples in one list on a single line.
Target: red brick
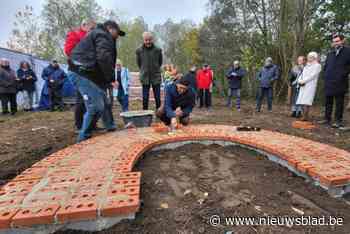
[(77, 211), (6, 216), (115, 207), (34, 216)]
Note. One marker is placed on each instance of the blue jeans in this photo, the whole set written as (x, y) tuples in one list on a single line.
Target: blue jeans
[(234, 93), (96, 104), (262, 92), (123, 99)]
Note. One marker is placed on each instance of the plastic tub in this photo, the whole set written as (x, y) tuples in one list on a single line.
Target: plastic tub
[(138, 118)]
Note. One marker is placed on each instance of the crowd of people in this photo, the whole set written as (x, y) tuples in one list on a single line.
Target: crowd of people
[(99, 77)]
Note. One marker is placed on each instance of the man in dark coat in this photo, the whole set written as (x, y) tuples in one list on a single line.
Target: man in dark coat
[(8, 87), (149, 59), (336, 72), (266, 77), (92, 71), (191, 76), (54, 76), (235, 76), (179, 103)]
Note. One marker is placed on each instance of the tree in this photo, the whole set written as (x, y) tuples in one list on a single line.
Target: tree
[(127, 46), (26, 36)]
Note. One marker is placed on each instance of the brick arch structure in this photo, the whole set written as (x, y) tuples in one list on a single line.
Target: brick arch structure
[(92, 185)]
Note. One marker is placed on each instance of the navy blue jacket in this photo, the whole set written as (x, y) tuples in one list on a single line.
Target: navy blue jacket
[(55, 74), (267, 75), (336, 72), (27, 85), (173, 100), (234, 76), (191, 77)]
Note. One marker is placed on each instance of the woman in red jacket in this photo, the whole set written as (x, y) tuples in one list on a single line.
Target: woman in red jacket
[(204, 82)]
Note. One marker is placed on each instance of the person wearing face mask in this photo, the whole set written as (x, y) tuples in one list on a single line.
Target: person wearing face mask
[(54, 77), (293, 78), (234, 76), (149, 59), (8, 87), (178, 104), (93, 72), (307, 82), (266, 77), (336, 80)]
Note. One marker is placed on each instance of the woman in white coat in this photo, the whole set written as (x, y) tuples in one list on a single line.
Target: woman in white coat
[(308, 83)]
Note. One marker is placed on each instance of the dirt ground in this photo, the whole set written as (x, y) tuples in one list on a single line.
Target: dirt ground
[(238, 182)]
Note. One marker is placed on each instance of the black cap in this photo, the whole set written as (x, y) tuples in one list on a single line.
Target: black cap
[(113, 24)]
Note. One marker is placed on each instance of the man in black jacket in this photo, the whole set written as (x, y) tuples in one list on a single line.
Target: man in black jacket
[(336, 72), (92, 71)]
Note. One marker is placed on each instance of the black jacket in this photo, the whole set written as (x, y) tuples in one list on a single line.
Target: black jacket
[(336, 72), (27, 84), (8, 83), (95, 56), (191, 77)]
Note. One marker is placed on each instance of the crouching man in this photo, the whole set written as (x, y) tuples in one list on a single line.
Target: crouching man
[(179, 102)]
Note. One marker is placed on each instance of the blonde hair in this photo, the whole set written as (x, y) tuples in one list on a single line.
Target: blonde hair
[(119, 62)]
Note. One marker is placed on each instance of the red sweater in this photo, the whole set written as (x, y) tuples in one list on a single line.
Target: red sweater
[(204, 78), (72, 39)]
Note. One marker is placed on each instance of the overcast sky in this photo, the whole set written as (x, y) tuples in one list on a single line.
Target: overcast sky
[(153, 11)]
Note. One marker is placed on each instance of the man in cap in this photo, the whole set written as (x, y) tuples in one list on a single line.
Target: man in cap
[(93, 64)]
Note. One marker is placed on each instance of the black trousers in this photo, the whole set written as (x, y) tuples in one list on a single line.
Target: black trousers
[(339, 107), (204, 98), (7, 98), (145, 95), (55, 99)]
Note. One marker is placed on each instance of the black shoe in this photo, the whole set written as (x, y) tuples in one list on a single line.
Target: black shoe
[(111, 129), (294, 114), (5, 113), (338, 124), (298, 115)]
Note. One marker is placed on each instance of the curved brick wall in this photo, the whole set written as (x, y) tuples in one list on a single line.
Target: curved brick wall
[(94, 179)]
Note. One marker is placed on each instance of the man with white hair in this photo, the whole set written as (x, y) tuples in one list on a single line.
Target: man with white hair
[(308, 84), (8, 87), (266, 77), (234, 76), (149, 59)]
